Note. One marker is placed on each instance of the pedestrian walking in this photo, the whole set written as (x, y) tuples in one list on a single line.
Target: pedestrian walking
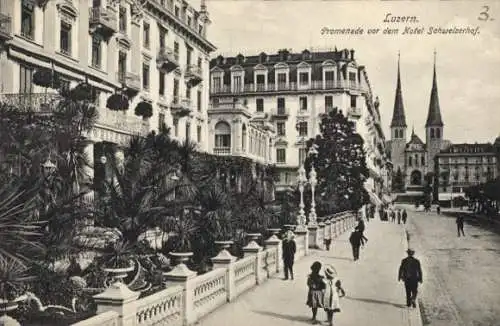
[(399, 216), (328, 242), (438, 209), (332, 294), (460, 225), (316, 285), (404, 216), (361, 229), (410, 273), (393, 216), (356, 240), (289, 248), (386, 216)]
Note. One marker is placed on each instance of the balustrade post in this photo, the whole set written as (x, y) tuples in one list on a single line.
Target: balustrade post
[(275, 243), (321, 235), (225, 260), (313, 236), (181, 275), (328, 234), (304, 234), (253, 249), (118, 298)]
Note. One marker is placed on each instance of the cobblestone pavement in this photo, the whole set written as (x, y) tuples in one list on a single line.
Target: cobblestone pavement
[(374, 297), (461, 275)]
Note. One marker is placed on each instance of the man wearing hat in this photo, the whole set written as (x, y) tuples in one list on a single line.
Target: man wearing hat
[(288, 253), (411, 273)]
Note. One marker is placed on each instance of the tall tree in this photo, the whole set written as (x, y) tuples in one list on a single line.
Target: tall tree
[(398, 183), (340, 165)]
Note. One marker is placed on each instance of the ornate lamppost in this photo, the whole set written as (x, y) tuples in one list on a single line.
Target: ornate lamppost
[(301, 180), (313, 182)]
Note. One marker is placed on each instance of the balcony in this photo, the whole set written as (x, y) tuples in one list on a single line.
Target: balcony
[(121, 121), (5, 27), (166, 61), (130, 81), (280, 113), (193, 75), (340, 85), (354, 112), (180, 107), (222, 151), (102, 21), (41, 103), (229, 107)]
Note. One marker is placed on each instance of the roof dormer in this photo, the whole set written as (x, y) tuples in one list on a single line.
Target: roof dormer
[(240, 58), (262, 57), (306, 55)]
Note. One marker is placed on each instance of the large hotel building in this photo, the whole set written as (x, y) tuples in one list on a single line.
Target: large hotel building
[(289, 91), (156, 51)]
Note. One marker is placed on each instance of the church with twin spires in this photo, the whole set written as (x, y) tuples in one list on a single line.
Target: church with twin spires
[(411, 156)]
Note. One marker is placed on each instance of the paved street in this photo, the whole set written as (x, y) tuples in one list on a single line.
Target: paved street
[(374, 297), (461, 276)]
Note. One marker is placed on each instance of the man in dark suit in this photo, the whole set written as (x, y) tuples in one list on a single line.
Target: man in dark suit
[(411, 273), (288, 247), (356, 241), (460, 225)]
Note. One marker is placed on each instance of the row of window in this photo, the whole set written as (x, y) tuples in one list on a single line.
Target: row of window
[(301, 126), (303, 103), (465, 160), (282, 79), (175, 127), (414, 160), (281, 155)]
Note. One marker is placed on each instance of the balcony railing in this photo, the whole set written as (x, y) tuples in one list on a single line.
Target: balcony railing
[(280, 113), (354, 112), (5, 27), (31, 102), (166, 60), (103, 20), (232, 107), (181, 106), (131, 81), (119, 120), (279, 87), (193, 75), (222, 150)]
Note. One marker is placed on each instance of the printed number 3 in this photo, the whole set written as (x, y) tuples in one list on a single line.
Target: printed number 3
[(484, 16)]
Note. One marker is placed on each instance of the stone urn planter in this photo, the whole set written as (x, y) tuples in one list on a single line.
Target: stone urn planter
[(224, 244), (180, 257), (118, 273)]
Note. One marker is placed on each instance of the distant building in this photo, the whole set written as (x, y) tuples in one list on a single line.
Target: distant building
[(289, 91), (414, 159), (464, 165)]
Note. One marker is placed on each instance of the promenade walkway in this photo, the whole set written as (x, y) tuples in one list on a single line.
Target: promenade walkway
[(374, 297)]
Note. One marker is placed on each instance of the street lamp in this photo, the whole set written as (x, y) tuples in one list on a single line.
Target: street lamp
[(302, 180), (313, 182)]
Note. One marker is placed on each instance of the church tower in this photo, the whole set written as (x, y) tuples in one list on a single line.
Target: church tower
[(398, 128), (434, 125)]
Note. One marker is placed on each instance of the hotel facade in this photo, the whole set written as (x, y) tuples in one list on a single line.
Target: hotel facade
[(155, 51), (288, 92)]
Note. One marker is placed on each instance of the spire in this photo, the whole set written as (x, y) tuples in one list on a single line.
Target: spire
[(434, 115), (412, 130), (398, 115)]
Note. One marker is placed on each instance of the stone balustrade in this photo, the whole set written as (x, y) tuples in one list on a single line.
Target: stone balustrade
[(187, 297)]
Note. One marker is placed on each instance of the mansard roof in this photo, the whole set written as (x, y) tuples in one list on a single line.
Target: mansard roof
[(340, 58)]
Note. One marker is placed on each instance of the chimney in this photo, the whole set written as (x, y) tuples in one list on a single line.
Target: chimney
[(352, 54)]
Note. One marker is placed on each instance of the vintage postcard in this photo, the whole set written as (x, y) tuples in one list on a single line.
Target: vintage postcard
[(249, 163)]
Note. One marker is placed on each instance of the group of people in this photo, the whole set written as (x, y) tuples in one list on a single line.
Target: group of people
[(324, 292), (399, 215)]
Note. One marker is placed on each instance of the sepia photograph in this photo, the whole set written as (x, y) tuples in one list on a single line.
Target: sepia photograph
[(249, 162)]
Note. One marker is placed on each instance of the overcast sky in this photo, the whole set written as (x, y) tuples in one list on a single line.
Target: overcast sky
[(468, 66)]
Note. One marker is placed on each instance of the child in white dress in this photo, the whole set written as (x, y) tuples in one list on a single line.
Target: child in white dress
[(332, 294)]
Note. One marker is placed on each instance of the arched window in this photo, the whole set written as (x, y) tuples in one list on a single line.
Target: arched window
[(438, 133), (410, 161), (244, 138), (416, 178), (222, 135), (432, 133), (423, 160), (416, 159)]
